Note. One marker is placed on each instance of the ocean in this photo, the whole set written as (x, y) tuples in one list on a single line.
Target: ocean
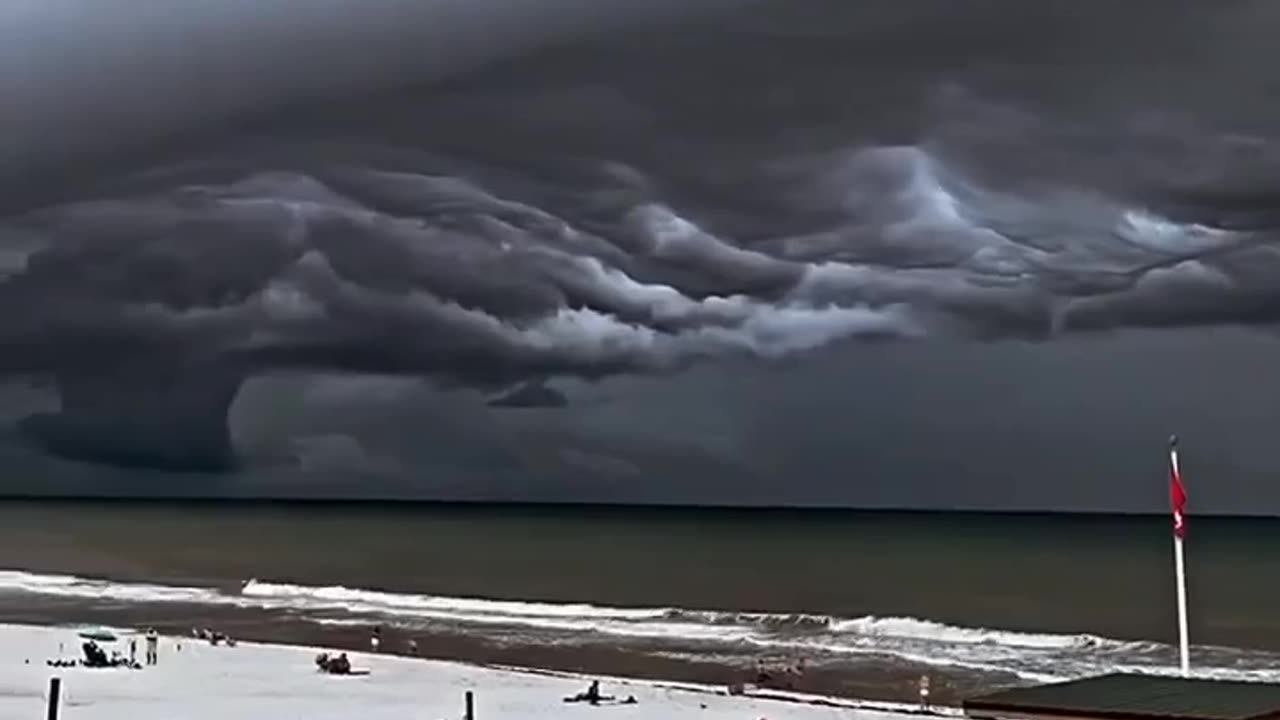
[(988, 599)]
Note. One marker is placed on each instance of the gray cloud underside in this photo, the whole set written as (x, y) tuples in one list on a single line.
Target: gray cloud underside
[(446, 275), (419, 189)]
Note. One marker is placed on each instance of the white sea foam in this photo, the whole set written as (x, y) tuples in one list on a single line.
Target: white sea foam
[(1029, 655), (337, 596), (907, 627)]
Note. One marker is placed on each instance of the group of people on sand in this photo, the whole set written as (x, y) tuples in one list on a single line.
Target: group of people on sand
[(338, 664), (213, 637), (95, 656), (780, 676), (375, 642)]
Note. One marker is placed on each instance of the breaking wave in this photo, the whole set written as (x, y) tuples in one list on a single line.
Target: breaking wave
[(1033, 656)]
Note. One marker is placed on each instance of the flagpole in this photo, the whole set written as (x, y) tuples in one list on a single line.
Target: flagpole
[(1181, 570), (1179, 559)]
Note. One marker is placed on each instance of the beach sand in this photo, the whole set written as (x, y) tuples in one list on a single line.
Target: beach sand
[(196, 680), (873, 677)]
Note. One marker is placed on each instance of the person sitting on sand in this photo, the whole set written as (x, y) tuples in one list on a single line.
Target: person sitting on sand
[(333, 665), (592, 695), (95, 656)]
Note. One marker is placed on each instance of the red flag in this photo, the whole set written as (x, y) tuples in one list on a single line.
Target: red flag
[(1177, 493)]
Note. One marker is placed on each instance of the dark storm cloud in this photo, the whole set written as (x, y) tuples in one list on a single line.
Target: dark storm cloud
[(771, 180), (435, 274), (77, 75)]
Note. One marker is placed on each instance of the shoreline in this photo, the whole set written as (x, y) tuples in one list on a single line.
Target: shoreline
[(202, 682), (794, 697), (875, 685)]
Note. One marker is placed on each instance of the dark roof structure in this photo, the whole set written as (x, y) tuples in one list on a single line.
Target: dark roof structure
[(1124, 696)]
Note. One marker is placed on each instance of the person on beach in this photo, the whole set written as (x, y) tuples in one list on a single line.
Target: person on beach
[(594, 697), (153, 642), (413, 647), (339, 665), (95, 656), (376, 640), (133, 651)]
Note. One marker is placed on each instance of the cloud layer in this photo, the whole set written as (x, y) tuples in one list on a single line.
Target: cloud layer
[(759, 184)]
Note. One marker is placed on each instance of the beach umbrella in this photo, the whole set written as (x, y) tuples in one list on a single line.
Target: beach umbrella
[(98, 634)]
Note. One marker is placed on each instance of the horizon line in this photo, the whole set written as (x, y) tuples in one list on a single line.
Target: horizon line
[(597, 506)]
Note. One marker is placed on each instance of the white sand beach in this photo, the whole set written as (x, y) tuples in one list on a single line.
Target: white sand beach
[(203, 682)]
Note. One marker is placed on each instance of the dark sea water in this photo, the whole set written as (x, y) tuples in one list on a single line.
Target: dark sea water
[(1027, 597)]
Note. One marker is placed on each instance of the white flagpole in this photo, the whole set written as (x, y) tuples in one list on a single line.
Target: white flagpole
[(1183, 646), (1180, 570)]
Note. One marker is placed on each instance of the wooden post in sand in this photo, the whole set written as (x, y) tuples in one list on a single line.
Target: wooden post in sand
[(55, 696), (470, 713)]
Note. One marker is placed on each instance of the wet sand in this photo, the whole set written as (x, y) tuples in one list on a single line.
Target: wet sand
[(874, 679)]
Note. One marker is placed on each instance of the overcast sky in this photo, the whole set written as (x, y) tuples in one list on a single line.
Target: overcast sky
[(935, 254)]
